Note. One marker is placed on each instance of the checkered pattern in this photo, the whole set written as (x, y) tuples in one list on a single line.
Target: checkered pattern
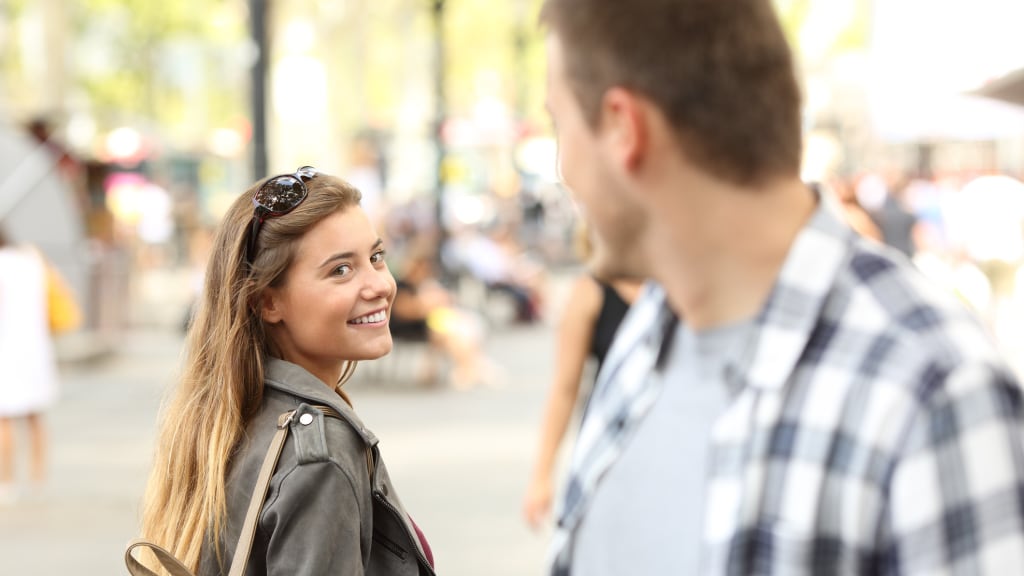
[(874, 431), (621, 397)]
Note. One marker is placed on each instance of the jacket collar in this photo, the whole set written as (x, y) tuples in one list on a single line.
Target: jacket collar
[(295, 380)]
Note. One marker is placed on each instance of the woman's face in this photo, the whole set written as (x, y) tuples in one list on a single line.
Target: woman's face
[(336, 299)]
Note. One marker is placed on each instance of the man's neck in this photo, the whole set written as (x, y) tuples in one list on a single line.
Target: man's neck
[(723, 252)]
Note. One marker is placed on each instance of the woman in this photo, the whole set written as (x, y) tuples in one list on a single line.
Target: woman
[(296, 291), (29, 385), (594, 309)]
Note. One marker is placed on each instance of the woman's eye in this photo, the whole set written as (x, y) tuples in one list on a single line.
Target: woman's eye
[(342, 270), (378, 256)]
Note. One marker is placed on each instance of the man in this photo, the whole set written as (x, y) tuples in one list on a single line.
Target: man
[(819, 408)]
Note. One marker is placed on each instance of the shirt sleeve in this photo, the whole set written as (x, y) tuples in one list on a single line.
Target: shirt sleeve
[(956, 499), (313, 525)]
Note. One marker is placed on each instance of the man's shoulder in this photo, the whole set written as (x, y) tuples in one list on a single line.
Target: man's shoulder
[(881, 285), (905, 325)]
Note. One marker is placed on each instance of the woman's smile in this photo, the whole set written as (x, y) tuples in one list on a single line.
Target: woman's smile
[(371, 320)]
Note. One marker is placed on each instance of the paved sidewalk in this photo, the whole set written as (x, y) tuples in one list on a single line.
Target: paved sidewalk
[(100, 439)]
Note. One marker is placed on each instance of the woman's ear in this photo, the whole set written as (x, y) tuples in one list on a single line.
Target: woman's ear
[(270, 306)]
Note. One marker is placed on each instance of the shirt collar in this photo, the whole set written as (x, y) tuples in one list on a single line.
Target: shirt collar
[(791, 312)]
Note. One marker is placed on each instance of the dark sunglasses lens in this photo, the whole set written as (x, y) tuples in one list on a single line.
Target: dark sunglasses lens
[(281, 194)]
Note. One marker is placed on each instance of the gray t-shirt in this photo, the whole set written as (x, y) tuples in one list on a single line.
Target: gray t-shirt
[(646, 516)]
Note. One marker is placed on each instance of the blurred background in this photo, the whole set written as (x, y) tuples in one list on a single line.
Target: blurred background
[(127, 126)]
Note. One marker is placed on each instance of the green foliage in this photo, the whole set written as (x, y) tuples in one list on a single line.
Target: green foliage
[(124, 57), (382, 43), (856, 35), (853, 36), (135, 86), (484, 37), (13, 8), (793, 14)]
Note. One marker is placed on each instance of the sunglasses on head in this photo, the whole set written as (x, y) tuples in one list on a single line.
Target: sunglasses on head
[(276, 197)]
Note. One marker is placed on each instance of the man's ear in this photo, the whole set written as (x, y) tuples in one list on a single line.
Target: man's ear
[(624, 126), (270, 307)]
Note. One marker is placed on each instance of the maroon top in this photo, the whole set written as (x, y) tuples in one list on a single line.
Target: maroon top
[(423, 542)]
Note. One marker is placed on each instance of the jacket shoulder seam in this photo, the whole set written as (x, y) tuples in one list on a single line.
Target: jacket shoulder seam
[(269, 503)]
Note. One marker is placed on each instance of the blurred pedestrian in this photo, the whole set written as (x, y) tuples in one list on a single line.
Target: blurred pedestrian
[(296, 291), (424, 310), (854, 214), (894, 217), (496, 261), (593, 311), (29, 385), (820, 408)]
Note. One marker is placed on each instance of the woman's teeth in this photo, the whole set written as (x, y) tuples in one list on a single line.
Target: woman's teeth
[(371, 319)]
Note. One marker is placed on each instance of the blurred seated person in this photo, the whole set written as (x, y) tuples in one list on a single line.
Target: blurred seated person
[(424, 311), (500, 264)]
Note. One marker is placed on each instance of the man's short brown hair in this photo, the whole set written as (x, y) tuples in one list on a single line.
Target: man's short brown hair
[(721, 71)]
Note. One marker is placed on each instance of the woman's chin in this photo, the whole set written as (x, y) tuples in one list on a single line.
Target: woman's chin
[(377, 349)]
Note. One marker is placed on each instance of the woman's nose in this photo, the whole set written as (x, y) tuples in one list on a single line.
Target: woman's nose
[(379, 284)]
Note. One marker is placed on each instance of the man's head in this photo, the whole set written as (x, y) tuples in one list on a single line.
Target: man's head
[(720, 71), (716, 76)]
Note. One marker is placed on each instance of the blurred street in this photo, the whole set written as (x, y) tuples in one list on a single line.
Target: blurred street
[(459, 459), (127, 129)]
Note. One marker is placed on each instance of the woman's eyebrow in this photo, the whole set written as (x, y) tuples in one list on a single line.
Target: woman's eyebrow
[(338, 256), (349, 254)]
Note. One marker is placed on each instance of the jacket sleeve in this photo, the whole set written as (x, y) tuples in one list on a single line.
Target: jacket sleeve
[(312, 526)]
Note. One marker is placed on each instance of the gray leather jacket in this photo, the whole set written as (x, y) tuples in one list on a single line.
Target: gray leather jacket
[(330, 508)]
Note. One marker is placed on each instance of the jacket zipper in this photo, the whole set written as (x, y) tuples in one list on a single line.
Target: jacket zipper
[(398, 516)]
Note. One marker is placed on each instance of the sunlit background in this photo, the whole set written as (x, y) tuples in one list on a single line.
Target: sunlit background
[(127, 126), (168, 109)]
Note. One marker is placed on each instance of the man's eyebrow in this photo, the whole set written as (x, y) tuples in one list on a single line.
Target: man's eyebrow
[(349, 254)]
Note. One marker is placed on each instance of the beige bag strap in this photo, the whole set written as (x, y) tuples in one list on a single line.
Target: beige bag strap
[(167, 560), (259, 493)]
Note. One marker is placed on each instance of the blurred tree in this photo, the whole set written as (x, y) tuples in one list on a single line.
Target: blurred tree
[(378, 47), (9, 10), (180, 67), (501, 38), (174, 63), (824, 29)]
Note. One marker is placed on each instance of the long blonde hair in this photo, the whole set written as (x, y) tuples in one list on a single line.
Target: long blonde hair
[(221, 384)]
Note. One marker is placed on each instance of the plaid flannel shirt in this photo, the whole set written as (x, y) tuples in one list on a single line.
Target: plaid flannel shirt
[(874, 429)]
